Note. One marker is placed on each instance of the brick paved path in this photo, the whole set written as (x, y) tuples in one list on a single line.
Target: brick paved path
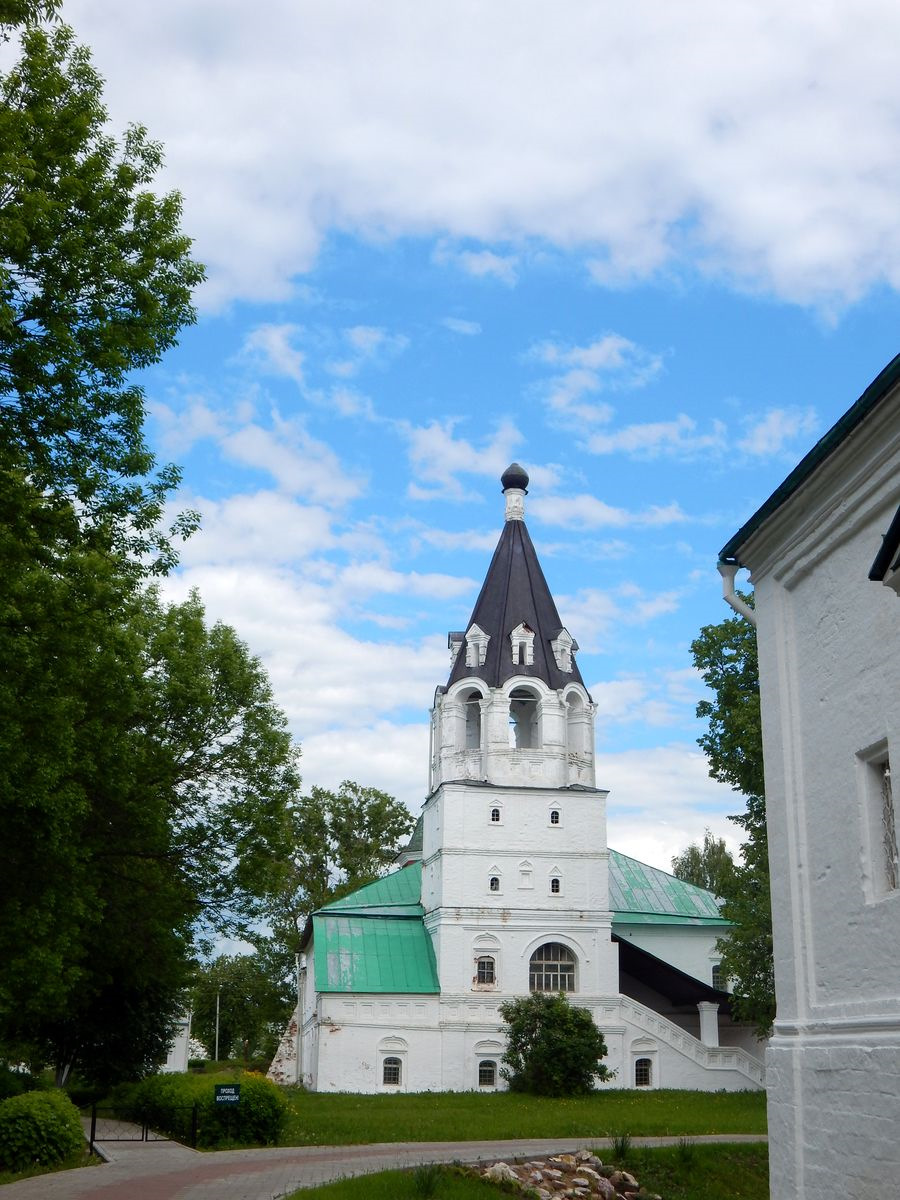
[(168, 1171)]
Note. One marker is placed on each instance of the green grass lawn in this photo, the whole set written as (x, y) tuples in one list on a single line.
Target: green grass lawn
[(722, 1172), (81, 1159), (322, 1119), (404, 1185)]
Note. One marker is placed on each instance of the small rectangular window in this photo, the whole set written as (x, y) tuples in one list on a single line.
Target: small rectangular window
[(485, 970)]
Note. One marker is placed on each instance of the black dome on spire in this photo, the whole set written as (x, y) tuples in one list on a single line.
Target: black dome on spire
[(514, 477)]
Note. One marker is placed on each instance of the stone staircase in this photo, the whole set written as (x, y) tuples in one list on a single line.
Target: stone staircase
[(712, 1058)]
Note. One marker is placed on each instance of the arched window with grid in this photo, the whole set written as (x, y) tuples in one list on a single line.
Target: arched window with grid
[(552, 969)]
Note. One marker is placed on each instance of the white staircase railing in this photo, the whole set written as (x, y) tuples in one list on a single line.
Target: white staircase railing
[(714, 1058)]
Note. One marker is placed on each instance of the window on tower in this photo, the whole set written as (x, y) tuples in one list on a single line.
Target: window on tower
[(495, 883), (472, 701), (524, 720), (522, 645)]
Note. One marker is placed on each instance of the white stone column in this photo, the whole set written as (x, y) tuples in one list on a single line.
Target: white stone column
[(709, 1023)]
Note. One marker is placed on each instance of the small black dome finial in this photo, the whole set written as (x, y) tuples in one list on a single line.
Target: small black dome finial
[(515, 477)]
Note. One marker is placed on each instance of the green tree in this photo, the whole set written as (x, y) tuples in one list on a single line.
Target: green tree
[(339, 841), (709, 865), (726, 656), (95, 282), (145, 776), (253, 1006), (553, 1048)]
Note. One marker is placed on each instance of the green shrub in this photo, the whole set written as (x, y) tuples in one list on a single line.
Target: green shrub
[(38, 1129), (167, 1103), (553, 1048), (258, 1118)]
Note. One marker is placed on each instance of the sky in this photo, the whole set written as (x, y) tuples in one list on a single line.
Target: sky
[(650, 251)]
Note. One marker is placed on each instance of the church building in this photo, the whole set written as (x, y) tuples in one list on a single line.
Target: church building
[(824, 552), (508, 887)]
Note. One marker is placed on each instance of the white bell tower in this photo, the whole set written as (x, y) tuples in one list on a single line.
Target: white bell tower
[(514, 855)]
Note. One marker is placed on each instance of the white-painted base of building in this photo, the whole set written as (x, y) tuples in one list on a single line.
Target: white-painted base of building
[(834, 1099), (441, 1044)]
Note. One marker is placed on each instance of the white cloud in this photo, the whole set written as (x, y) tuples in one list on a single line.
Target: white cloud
[(349, 402), (480, 264), (661, 699), (759, 139), (773, 433), (661, 799), (595, 612), (269, 348), (181, 428), (609, 363), (300, 464), (587, 549), (485, 264), (653, 439), (455, 540), (389, 756), (367, 344), (438, 458), (458, 325), (367, 578), (262, 527), (323, 676), (584, 511)]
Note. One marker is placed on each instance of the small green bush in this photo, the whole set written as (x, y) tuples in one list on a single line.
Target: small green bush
[(167, 1103), (553, 1048), (38, 1129)]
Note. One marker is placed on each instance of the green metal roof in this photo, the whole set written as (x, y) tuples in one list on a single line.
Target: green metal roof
[(373, 954), (644, 895), (375, 941), (399, 890), (415, 841)]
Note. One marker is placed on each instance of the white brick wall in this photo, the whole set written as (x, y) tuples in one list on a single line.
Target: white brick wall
[(829, 645)]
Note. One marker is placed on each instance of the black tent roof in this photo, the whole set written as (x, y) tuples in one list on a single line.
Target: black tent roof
[(515, 592)]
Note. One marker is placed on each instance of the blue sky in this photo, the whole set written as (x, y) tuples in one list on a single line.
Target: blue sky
[(652, 255)]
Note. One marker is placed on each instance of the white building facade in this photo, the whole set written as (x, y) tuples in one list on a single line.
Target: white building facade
[(824, 554), (508, 887)]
